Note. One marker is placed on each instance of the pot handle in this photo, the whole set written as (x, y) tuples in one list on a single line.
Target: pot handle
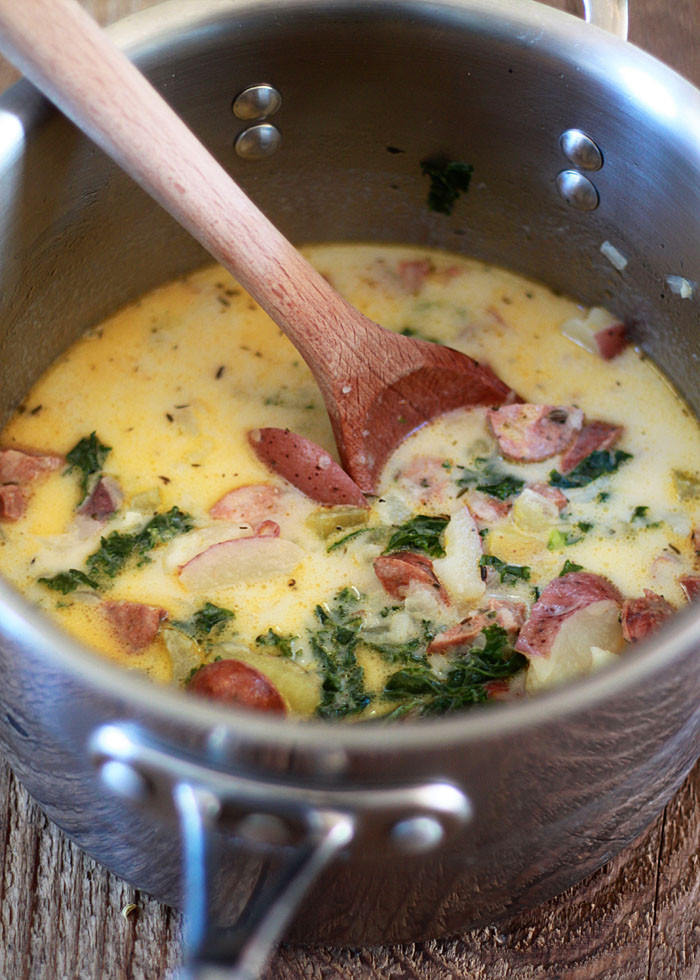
[(278, 836), (241, 952), (611, 15)]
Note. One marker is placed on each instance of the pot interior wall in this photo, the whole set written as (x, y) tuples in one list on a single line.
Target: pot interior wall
[(368, 93)]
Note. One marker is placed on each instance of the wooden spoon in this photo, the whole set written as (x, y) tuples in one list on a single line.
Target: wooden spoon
[(377, 386)]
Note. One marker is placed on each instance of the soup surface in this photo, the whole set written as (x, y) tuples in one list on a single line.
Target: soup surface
[(161, 501)]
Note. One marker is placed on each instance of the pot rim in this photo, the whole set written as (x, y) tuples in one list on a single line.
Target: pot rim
[(20, 622)]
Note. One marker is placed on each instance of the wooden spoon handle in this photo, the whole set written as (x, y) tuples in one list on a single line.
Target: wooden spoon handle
[(65, 53)]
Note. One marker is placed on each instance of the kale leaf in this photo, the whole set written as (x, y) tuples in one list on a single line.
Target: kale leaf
[(489, 479), (508, 573), (118, 548), (282, 641), (334, 644), (205, 621), (69, 581), (88, 456), (421, 533), (599, 463), (448, 179), (422, 692)]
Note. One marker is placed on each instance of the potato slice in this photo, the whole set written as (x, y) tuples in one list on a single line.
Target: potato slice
[(240, 560), (571, 653), (459, 571)]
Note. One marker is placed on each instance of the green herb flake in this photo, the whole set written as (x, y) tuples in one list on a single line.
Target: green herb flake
[(557, 540), (87, 456), (204, 622), (281, 641), (448, 179), (69, 581), (569, 566), (421, 533), (639, 513), (600, 463), (509, 574), (347, 537)]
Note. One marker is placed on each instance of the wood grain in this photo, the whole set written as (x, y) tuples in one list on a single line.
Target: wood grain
[(638, 918)]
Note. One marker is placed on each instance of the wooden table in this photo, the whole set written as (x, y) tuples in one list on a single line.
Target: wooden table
[(638, 918)]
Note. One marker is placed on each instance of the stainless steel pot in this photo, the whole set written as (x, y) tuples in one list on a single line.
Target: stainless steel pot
[(358, 834)]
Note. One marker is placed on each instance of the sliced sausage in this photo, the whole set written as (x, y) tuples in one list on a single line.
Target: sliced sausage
[(13, 503), (691, 586), (398, 572), (611, 340), (425, 478), (413, 272), (592, 437), (506, 613), (306, 466), (559, 600), (24, 466), (486, 509), (250, 504), (134, 623), (235, 682), (644, 615), (105, 499), (554, 494), (530, 433)]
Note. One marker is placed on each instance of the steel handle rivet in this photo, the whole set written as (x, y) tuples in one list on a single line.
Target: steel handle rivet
[(258, 142), (257, 102), (578, 191), (580, 150), (123, 780), (414, 835)]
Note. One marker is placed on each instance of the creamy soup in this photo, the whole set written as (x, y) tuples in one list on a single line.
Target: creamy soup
[(169, 495)]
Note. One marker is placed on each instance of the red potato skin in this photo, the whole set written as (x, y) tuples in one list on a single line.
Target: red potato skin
[(134, 623), (529, 433), (13, 503), (592, 437), (559, 600), (691, 586), (644, 615), (307, 466), (251, 504), (397, 572), (234, 682), (611, 341)]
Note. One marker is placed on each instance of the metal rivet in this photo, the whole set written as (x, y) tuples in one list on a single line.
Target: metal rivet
[(257, 102), (577, 190), (414, 835), (258, 142), (124, 780), (264, 828), (581, 150)]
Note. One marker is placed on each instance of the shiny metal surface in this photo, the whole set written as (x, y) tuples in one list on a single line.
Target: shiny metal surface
[(577, 190), (581, 150), (557, 784), (611, 15), (257, 102), (258, 142)]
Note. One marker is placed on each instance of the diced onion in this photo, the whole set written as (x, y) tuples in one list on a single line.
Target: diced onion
[(614, 256), (681, 287), (582, 329)]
